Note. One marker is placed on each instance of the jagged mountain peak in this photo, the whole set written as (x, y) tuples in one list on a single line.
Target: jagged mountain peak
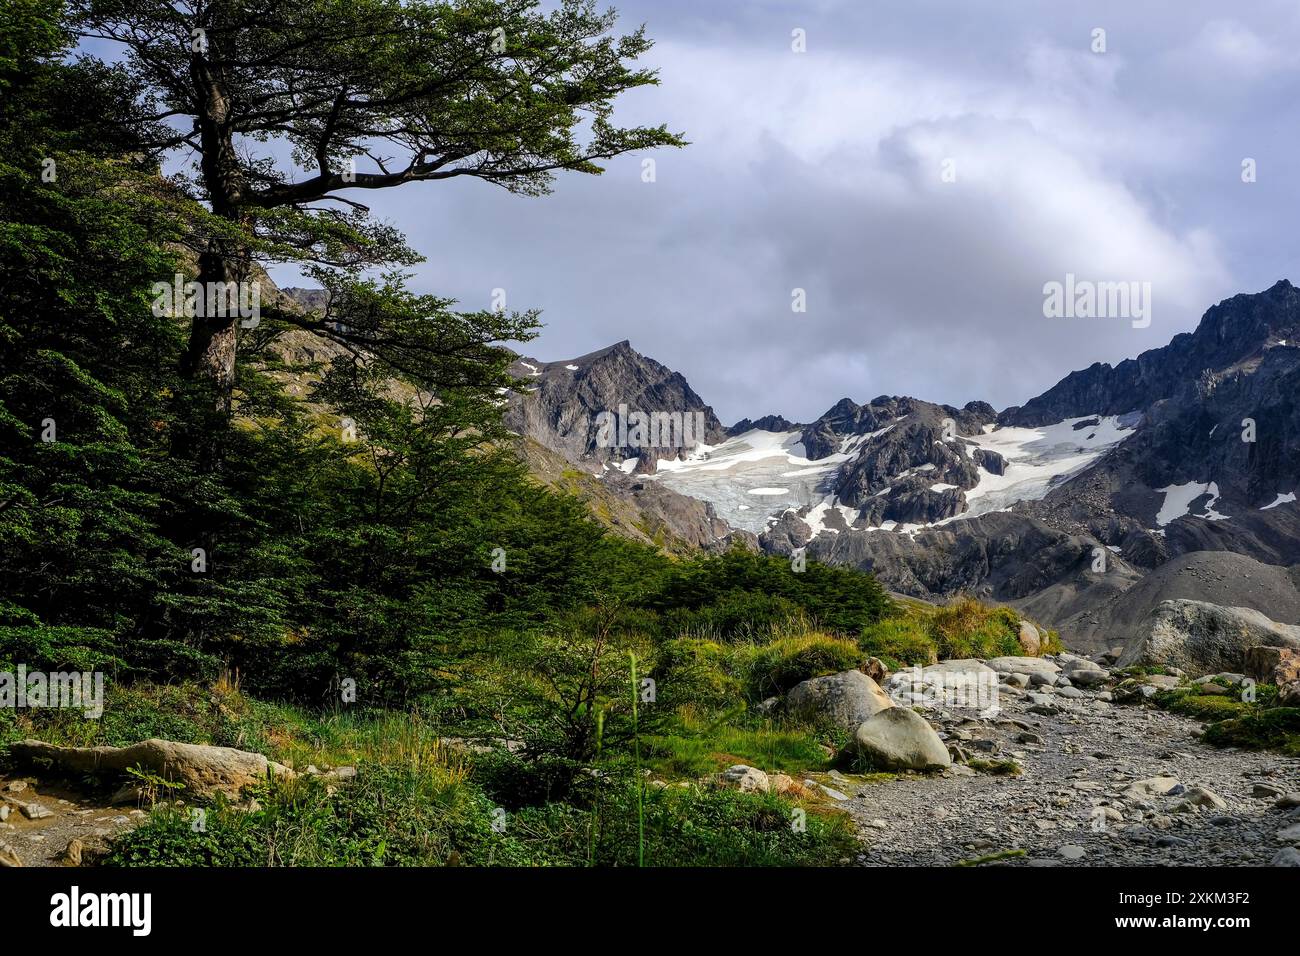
[(1236, 331), (561, 404)]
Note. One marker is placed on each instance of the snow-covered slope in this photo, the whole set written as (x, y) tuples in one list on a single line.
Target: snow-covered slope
[(759, 475), (1040, 459), (751, 476)]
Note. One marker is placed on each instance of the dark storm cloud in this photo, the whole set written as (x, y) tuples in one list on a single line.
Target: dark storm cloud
[(823, 171)]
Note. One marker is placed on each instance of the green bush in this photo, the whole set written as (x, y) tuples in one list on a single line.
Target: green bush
[(735, 616), (787, 661), (742, 592), (391, 816), (701, 673), (967, 628), (900, 642), (691, 827)]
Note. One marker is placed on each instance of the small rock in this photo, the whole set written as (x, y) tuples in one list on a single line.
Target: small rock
[(72, 853), (16, 786), (1089, 677), (780, 783), (1290, 835), (1204, 797), (1072, 852), (1151, 787), (1287, 856), (1266, 791), (1026, 737), (745, 778), (34, 811)]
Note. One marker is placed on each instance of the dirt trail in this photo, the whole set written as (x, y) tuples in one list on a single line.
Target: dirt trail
[(54, 817)]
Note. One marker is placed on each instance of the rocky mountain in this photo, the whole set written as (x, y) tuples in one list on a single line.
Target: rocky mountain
[(588, 409), (1061, 506)]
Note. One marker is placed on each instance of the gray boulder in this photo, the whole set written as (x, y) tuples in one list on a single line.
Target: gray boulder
[(845, 699), (1204, 638), (900, 739), (1023, 665), (745, 779), (199, 768)]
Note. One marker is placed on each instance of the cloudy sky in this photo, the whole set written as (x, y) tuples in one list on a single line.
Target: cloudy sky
[(823, 171)]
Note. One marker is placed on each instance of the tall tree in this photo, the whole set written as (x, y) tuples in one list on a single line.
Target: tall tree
[(365, 94)]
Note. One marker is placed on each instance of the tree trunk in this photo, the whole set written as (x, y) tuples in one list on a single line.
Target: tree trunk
[(210, 355)]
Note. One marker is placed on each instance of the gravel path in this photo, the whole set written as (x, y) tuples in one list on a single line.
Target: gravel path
[(1071, 794)]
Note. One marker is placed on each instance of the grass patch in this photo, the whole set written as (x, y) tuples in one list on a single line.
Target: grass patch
[(901, 642), (997, 768), (965, 627), (790, 660), (1201, 706), (392, 815), (701, 747), (1274, 728)]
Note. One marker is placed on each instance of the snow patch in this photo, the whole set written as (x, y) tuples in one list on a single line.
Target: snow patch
[(1039, 459), (1179, 498), (755, 463), (1281, 499)]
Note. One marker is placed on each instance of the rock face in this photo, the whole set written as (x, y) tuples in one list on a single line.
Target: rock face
[(846, 699), (1273, 665), (557, 404), (200, 769), (900, 739), (1204, 638)]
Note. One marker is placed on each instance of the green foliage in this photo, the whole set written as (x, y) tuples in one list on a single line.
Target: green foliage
[(966, 627), (698, 746), (1274, 728), (700, 673), (738, 594), (997, 768), (790, 660), (900, 642), (1201, 706)]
